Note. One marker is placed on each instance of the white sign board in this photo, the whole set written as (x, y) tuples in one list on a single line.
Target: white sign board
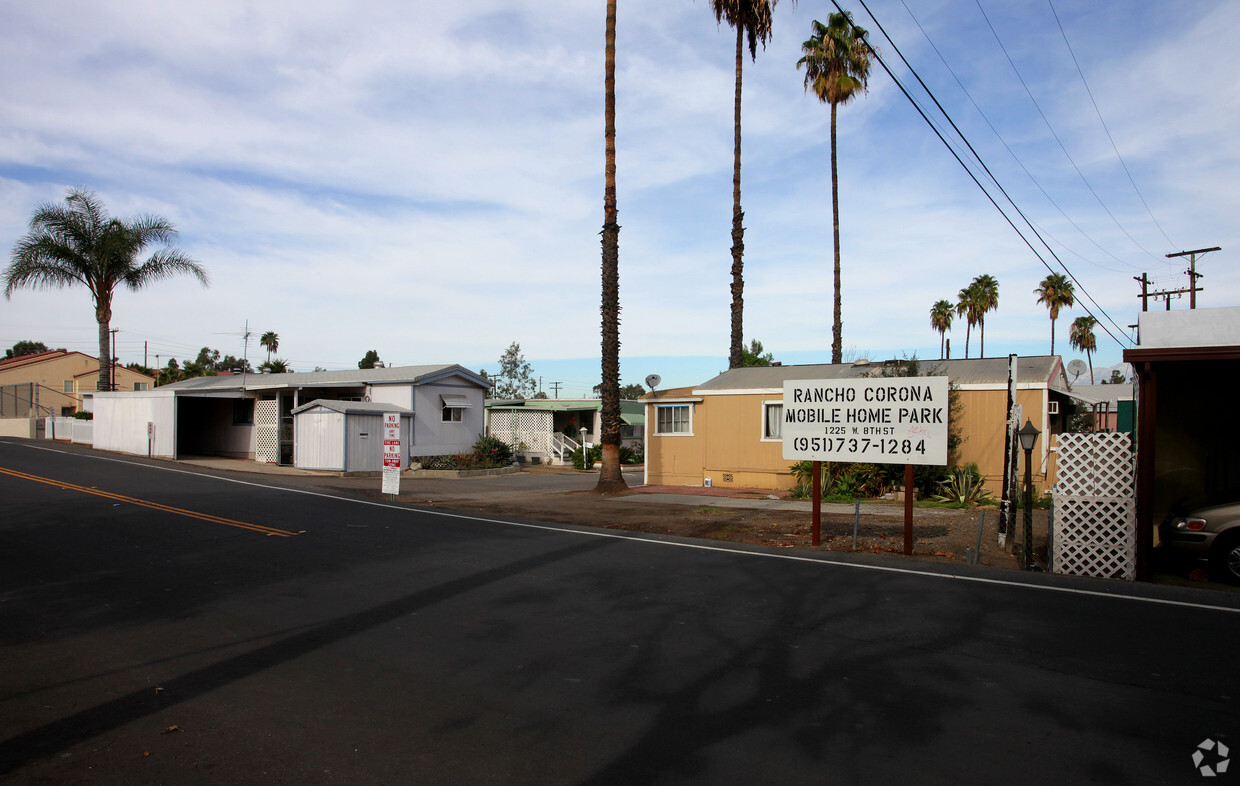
[(899, 420), (391, 453)]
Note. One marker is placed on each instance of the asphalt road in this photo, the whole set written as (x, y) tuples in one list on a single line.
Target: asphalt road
[(159, 625)]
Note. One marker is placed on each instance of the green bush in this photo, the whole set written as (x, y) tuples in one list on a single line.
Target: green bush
[(964, 486), (492, 451)]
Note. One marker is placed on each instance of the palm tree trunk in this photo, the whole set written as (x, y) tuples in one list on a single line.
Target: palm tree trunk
[(610, 476), (1090, 357), (736, 346), (837, 327), (1052, 335), (103, 315), (981, 337)]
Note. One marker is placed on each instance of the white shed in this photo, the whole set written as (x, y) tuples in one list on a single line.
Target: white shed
[(346, 436)]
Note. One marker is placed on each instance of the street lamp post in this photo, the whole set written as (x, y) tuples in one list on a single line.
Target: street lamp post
[(1028, 435)]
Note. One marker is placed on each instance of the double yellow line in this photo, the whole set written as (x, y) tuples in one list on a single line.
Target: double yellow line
[(153, 505)]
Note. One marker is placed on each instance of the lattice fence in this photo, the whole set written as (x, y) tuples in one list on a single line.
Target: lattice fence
[(1095, 509), (267, 431), (531, 427)]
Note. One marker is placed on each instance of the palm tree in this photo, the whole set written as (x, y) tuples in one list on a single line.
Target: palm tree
[(750, 18), (988, 300), (941, 320), (969, 305), (1055, 292), (1081, 336), (837, 67), (79, 243), (270, 342), (610, 477)]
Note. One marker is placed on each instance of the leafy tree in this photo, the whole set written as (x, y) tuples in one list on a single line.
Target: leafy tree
[(987, 293), (515, 378), (1081, 336), (141, 369), (270, 342), (1055, 292), (610, 477), (23, 348), (171, 373), (1117, 378), (941, 320), (79, 243), (751, 19), (753, 356), (836, 58), (627, 392), (369, 360)]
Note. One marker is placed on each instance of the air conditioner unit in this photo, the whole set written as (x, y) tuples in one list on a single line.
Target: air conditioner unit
[(1053, 408)]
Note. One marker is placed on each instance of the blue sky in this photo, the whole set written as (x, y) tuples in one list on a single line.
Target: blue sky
[(425, 179)]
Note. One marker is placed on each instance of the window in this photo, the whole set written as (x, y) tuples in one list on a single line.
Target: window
[(772, 418), (141, 385), (452, 414), (68, 386), (673, 419), (243, 411)]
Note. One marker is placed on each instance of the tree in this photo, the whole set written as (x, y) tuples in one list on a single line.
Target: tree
[(836, 58), (23, 348), (1117, 378), (1055, 292), (369, 360), (610, 477), (627, 392), (753, 356), (751, 19), (514, 379), (79, 243), (270, 342), (987, 290), (969, 306), (941, 320), (1081, 336), (277, 366)]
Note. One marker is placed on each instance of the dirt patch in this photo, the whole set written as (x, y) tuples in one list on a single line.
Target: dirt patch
[(938, 534)]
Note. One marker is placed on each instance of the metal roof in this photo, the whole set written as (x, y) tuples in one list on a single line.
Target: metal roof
[(353, 407), (1040, 369), (324, 379)]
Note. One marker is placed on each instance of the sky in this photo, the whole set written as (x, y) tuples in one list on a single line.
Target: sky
[(425, 179)]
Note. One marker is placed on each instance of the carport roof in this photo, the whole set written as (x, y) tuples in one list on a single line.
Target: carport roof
[(353, 407), (415, 375)]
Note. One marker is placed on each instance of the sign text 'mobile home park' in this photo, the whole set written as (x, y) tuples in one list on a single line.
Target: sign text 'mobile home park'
[(900, 420)]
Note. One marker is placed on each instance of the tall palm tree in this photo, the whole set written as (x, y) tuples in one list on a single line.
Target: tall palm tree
[(1081, 336), (270, 342), (836, 59), (79, 243), (610, 477), (752, 19), (969, 305), (988, 300), (1055, 292), (941, 320)]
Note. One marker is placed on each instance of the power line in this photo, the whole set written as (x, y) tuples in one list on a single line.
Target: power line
[(968, 171)]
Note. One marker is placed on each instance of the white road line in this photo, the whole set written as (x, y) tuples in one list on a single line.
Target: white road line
[(819, 560)]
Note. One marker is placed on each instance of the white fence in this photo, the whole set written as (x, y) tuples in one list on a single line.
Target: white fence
[(1094, 510), (79, 432)]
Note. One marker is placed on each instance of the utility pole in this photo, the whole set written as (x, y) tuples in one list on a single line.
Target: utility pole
[(1193, 275), (555, 386), (112, 364), (1145, 291)]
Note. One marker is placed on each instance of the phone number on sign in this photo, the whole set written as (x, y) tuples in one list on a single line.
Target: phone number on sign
[(855, 445)]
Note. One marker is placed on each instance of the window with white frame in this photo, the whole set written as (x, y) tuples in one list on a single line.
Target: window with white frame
[(452, 414), (673, 419), (772, 418)]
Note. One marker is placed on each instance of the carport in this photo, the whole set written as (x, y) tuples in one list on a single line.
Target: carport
[(1187, 367)]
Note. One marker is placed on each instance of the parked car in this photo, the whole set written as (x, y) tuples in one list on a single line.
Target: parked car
[(1208, 532)]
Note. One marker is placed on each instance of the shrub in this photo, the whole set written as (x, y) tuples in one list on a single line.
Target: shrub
[(492, 451), (964, 486)]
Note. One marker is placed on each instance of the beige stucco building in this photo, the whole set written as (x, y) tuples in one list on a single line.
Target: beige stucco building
[(61, 382), (726, 430)]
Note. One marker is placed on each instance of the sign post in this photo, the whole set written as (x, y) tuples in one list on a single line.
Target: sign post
[(883, 420), (391, 453)]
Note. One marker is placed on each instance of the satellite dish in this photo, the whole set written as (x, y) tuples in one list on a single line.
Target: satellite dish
[(1076, 368), (653, 381)]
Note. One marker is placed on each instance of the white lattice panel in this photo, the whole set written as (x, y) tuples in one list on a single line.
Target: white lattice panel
[(267, 432), (1095, 512), (532, 427)]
